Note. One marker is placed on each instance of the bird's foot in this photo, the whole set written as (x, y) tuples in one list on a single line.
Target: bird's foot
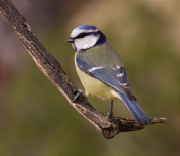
[(110, 114), (80, 91)]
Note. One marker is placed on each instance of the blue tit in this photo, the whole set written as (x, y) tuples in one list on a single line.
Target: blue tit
[(101, 71)]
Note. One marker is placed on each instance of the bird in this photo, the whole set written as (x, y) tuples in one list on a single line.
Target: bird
[(102, 72)]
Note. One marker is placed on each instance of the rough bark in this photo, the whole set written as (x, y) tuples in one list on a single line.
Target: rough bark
[(108, 128)]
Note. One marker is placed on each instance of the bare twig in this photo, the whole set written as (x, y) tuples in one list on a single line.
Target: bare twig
[(52, 69)]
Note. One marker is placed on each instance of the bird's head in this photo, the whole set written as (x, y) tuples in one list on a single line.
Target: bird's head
[(85, 37)]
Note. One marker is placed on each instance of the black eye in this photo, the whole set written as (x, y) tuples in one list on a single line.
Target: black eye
[(82, 35)]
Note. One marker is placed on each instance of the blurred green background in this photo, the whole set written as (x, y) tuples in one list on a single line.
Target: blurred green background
[(37, 120)]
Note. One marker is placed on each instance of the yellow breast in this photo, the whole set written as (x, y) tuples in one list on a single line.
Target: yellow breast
[(94, 86)]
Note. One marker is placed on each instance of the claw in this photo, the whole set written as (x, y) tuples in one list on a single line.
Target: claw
[(80, 91), (109, 114), (78, 94)]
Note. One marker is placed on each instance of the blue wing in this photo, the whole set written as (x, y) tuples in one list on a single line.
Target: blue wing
[(115, 77)]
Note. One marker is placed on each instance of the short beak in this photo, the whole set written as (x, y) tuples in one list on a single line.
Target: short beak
[(70, 40)]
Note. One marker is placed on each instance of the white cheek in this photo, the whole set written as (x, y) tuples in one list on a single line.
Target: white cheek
[(86, 42)]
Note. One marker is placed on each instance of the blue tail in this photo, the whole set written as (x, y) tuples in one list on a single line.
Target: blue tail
[(135, 110)]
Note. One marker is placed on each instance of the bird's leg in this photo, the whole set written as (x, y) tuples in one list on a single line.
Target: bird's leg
[(80, 91), (110, 114)]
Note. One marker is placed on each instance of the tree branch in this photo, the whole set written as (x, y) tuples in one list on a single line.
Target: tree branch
[(108, 128)]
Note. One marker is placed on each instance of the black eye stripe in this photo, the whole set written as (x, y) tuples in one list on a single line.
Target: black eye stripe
[(82, 35)]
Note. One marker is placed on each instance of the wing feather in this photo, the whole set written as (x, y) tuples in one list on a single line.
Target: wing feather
[(115, 77)]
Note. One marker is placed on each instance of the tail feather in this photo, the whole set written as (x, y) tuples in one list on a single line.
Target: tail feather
[(135, 110)]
